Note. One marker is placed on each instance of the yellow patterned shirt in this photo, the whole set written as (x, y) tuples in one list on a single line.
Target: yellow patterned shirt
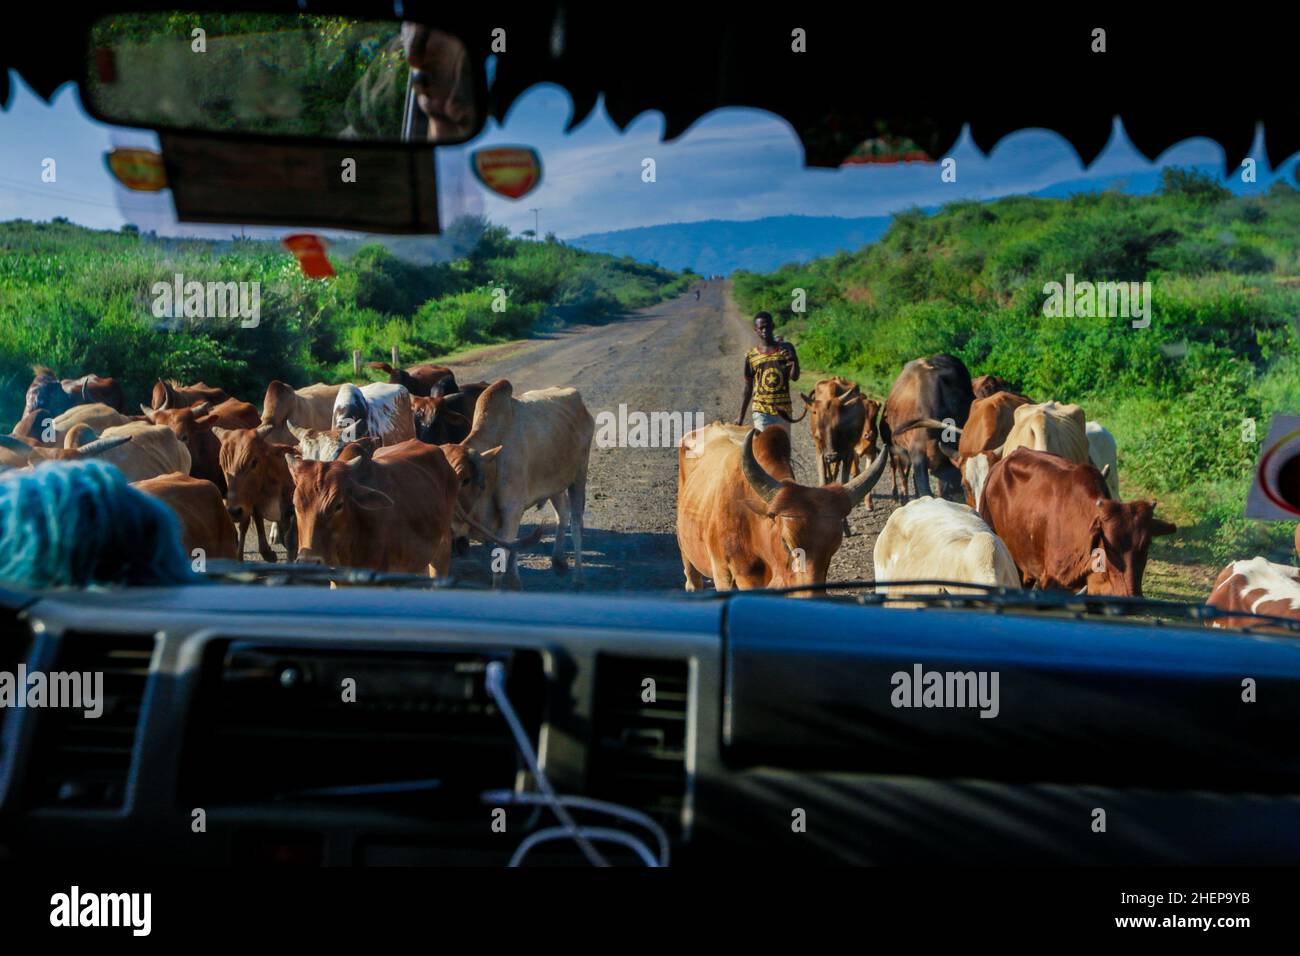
[(771, 380)]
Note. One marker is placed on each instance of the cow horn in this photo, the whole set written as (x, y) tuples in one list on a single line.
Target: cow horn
[(298, 433), (756, 476), (857, 488), (101, 445), (10, 443), (167, 396), (448, 398), (786, 415), (1105, 471)]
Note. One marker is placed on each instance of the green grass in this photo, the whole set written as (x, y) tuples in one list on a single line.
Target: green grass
[(1221, 346), (81, 300)]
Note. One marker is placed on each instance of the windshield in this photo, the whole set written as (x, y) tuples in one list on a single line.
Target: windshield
[(631, 365)]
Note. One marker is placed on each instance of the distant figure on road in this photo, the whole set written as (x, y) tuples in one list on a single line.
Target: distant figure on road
[(770, 367), (697, 295)]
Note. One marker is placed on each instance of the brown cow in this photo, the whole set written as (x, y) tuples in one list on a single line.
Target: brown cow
[(57, 395), (1060, 524), (837, 419), (985, 386), (931, 391), (744, 521), (390, 512), (308, 407), (193, 426), (172, 394), (446, 419), (1256, 586), (259, 487), (987, 426), (205, 523), (422, 380), (49, 429)]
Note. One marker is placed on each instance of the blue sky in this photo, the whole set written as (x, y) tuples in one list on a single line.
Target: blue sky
[(731, 164)]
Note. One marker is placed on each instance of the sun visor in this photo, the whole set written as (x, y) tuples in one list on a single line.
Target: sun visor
[(361, 186)]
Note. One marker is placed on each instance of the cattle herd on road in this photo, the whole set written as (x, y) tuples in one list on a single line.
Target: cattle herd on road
[(400, 475)]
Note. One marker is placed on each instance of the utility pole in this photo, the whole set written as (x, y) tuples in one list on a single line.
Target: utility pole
[(537, 225)]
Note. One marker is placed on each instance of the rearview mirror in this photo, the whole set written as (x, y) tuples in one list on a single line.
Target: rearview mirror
[(283, 75)]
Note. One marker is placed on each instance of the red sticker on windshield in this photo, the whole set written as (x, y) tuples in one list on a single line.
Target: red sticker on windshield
[(309, 249), (511, 171)]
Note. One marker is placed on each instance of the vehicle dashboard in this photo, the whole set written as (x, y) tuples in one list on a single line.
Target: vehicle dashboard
[(753, 729)]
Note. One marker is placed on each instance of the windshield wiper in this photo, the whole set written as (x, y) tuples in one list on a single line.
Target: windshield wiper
[(1020, 599), (258, 572)]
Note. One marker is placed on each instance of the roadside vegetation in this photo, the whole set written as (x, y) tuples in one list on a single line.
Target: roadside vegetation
[(1221, 348), (80, 300)]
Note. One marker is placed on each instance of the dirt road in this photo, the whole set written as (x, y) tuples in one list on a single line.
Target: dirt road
[(679, 356)]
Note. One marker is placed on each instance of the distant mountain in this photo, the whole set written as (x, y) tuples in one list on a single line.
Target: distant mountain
[(719, 246)]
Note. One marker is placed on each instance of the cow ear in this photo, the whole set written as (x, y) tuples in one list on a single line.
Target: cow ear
[(759, 508), (371, 499), (148, 412), (293, 461), (221, 432)]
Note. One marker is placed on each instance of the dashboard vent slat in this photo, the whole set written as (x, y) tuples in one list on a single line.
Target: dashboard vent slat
[(85, 762), (638, 755)]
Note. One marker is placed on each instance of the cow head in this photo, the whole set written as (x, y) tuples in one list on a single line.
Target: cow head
[(1123, 532), (836, 417), (187, 424), (471, 468), (46, 391), (329, 498), (436, 424), (254, 467), (318, 445), (32, 424), (806, 524)]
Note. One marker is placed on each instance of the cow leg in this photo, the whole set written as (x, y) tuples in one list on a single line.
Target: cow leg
[(920, 474), (694, 580), (509, 529), (243, 536), (721, 574), (843, 478), (577, 506), (290, 532), (560, 505), (264, 549)]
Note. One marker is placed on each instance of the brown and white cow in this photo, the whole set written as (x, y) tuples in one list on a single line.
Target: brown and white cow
[(259, 487), (1062, 527), (193, 425), (205, 523), (987, 427), (172, 394), (545, 440), (309, 407), (928, 391), (421, 380), (57, 395), (744, 521), (380, 410), (391, 511), (1256, 586), (837, 420)]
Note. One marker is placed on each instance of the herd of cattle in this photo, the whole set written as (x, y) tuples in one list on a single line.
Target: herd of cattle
[(399, 475)]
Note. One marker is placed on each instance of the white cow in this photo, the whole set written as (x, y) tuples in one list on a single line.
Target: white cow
[(935, 539), (380, 410), (1103, 451)]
